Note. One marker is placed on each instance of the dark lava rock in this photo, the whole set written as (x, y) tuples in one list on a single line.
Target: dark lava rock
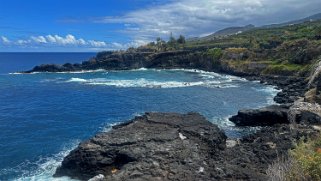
[(156, 146), (250, 159), (309, 118), (266, 116), (180, 147)]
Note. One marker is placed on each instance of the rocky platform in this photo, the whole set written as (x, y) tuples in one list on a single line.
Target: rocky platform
[(171, 146)]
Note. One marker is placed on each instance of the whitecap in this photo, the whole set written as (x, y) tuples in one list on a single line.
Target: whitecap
[(76, 80)]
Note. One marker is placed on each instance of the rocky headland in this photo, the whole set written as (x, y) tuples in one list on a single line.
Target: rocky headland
[(169, 146)]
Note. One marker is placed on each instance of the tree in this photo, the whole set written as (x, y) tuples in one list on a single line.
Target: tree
[(181, 39), (171, 40), (172, 43), (159, 42)]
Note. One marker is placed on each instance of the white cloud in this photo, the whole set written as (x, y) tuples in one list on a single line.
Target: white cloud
[(5, 40), (51, 39), (55, 41), (68, 41), (97, 43), (39, 39), (196, 17), (22, 42)]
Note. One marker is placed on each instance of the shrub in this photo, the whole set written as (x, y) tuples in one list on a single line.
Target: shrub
[(308, 156), (215, 53), (285, 169), (302, 163)]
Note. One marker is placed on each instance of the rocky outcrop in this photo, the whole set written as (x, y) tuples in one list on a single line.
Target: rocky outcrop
[(156, 146), (135, 60), (314, 86), (267, 116), (249, 159), (171, 146)]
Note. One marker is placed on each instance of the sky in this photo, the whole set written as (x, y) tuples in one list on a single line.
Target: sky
[(97, 25)]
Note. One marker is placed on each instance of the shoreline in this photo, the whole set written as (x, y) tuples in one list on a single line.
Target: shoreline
[(276, 136), (235, 144)]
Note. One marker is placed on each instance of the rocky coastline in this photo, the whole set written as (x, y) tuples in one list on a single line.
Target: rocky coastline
[(170, 146)]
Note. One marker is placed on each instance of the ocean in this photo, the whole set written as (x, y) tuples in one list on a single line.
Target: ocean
[(45, 115)]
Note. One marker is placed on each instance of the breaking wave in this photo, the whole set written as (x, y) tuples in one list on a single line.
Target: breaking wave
[(43, 168), (145, 83)]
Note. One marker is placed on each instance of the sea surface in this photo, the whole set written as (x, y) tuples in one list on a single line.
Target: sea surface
[(45, 115)]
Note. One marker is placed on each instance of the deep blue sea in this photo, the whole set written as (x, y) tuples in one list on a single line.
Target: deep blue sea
[(45, 115)]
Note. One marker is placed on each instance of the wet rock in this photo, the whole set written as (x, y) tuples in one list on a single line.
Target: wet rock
[(266, 116)]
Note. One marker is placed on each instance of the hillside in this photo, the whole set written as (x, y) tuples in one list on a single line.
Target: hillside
[(236, 30)]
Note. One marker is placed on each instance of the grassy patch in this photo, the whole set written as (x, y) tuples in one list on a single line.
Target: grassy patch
[(283, 69)]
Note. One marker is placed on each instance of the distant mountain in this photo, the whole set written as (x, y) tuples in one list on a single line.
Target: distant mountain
[(310, 18), (233, 30), (224, 32), (236, 30)]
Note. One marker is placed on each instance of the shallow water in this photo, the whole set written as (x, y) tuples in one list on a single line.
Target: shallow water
[(44, 115)]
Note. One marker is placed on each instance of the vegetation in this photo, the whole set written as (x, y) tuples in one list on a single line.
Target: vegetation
[(303, 163), (215, 53), (308, 158), (287, 50)]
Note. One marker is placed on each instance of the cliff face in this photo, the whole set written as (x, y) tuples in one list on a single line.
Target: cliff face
[(128, 60)]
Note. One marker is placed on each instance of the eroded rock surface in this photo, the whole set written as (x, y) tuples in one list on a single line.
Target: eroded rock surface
[(181, 147), (156, 146)]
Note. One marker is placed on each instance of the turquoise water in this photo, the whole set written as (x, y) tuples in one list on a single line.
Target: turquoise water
[(44, 115)]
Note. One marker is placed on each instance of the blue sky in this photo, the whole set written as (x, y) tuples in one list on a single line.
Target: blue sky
[(95, 25)]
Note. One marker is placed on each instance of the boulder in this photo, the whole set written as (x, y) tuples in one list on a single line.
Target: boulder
[(266, 116)]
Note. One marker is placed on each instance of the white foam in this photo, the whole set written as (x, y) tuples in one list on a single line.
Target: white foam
[(67, 72), (45, 167), (82, 71), (145, 83), (223, 122), (76, 80), (211, 75), (271, 90), (21, 73), (109, 126)]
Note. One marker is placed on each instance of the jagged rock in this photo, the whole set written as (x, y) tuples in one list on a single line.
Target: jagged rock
[(307, 117), (249, 159), (266, 116), (156, 146), (170, 146)]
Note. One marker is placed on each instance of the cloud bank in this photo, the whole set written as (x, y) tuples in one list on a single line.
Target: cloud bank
[(68, 41), (198, 17), (190, 18)]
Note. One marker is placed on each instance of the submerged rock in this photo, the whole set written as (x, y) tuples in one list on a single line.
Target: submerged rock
[(156, 146), (266, 116)]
